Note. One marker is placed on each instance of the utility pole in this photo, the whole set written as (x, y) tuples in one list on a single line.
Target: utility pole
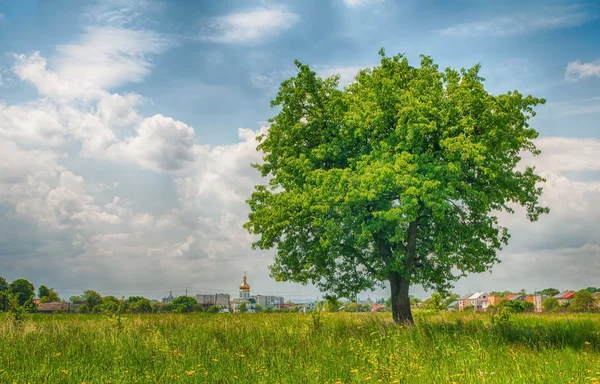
[(186, 291)]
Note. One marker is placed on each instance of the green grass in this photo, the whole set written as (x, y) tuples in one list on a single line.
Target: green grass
[(294, 348)]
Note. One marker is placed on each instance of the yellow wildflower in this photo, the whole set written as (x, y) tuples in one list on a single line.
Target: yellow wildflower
[(190, 373), (64, 371), (242, 356), (317, 370), (355, 370), (214, 360), (587, 343)]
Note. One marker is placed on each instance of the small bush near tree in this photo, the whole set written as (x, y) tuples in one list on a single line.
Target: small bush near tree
[(213, 309), (550, 304)]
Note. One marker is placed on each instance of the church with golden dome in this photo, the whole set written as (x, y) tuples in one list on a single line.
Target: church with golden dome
[(244, 298)]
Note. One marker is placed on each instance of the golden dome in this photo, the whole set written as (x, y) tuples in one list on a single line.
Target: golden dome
[(244, 286)]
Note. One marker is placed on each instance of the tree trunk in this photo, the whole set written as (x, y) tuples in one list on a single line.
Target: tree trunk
[(400, 283), (401, 311)]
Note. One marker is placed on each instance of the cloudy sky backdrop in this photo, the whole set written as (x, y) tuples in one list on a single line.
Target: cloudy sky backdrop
[(127, 129)]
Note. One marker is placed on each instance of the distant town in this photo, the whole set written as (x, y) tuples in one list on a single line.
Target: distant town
[(21, 294)]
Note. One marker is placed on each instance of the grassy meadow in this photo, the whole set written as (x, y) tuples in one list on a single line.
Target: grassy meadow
[(300, 348)]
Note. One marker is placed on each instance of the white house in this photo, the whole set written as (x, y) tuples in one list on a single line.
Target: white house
[(476, 300)]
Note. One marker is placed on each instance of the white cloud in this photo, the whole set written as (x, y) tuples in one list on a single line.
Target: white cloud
[(561, 154), (249, 27), (37, 122), (577, 70), (110, 56), (522, 23), (39, 187), (360, 3), (161, 144)]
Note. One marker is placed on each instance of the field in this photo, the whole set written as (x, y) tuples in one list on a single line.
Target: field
[(299, 348)]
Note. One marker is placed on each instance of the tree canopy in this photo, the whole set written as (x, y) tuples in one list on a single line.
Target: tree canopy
[(582, 301), (23, 290), (47, 295), (396, 178)]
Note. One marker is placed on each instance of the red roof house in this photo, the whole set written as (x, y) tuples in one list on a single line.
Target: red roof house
[(565, 297)]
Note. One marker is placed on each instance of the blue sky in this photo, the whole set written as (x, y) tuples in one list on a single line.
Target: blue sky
[(127, 128)]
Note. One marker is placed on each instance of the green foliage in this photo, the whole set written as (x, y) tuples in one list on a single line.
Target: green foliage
[(502, 318), (3, 294), (184, 304), (242, 308), (516, 306), (142, 305), (213, 309), (91, 298), (414, 301), (582, 301), (23, 290), (83, 308), (258, 308), (332, 304), (435, 302), (550, 303), (110, 304), (398, 176), (47, 295), (3, 284), (550, 291), (76, 299)]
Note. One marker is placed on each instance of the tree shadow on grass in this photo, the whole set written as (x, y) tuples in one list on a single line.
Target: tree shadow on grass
[(578, 335)]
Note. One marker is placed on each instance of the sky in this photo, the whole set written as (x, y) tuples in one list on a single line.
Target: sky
[(127, 130)]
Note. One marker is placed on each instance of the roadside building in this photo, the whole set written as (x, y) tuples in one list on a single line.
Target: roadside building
[(538, 299), (266, 301), (463, 302), (209, 299), (494, 300), (53, 307), (453, 306), (476, 300), (565, 297)]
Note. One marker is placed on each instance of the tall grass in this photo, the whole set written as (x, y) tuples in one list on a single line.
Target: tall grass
[(299, 348)]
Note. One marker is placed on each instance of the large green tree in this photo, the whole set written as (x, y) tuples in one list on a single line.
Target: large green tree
[(23, 290), (47, 295), (92, 299), (396, 178)]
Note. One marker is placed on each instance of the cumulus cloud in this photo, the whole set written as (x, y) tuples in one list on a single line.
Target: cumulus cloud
[(37, 122), (542, 19), (40, 188), (161, 144), (577, 70), (248, 27), (108, 56)]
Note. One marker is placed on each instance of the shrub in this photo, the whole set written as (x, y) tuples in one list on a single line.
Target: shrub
[(213, 309), (550, 303)]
